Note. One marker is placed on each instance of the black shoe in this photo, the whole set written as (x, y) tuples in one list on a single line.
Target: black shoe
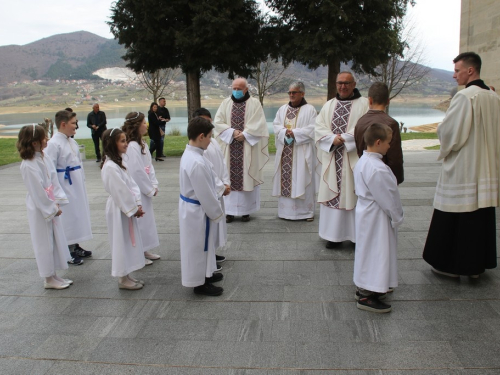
[(332, 245), (218, 268), (220, 258), (380, 296), (82, 253), (98, 161), (372, 303), (229, 218), (215, 278), (159, 159), (208, 290), (245, 218), (75, 260)]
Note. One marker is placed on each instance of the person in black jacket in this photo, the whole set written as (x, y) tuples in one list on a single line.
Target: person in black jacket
[(154, 131), (164, 117), (96, 121)]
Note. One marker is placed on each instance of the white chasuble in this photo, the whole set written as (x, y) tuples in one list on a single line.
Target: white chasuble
[(64, 153), (295, 176), (378, 215), (245, 160), (142, 171), (198, 201), (47, 233), (214, 154), (336, 188), (127, 254)]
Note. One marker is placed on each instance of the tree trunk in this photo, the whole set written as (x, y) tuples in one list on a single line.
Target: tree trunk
[(193, 92), (333, 71), (387, 108)]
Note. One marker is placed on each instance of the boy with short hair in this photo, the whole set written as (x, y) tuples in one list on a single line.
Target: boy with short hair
[(65, 155), (378, 99), (199, 209), (222, 182), (378, 215)]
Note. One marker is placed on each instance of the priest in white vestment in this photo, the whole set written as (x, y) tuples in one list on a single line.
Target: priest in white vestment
[(462, 234), (295, 178), (334, 134), (241, 129)]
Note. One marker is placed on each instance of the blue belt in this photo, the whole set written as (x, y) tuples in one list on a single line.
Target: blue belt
[(67, 171), (207, 225)]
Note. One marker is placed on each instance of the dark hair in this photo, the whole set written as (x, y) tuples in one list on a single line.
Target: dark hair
[(151, 106), (470, 59), (376, 131), (197, 126), (202, 112), (379, 92), (109, 146), (162, 98), (63, 116), (133, 122), (26, 138)]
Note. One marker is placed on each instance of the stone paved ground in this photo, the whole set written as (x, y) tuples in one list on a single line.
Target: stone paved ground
[(288, 305)]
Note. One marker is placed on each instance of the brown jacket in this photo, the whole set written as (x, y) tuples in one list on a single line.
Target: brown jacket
[(394, 157)]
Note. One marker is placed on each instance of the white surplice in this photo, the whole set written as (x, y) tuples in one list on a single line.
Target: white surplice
[(378, 215), (301, 203), (197, 183), (214, 154), (337, 225), (63, 152), (47, 234), (255, 157), (127, 254), (142, 171)]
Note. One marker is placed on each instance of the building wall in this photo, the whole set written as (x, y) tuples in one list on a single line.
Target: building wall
[(480, 33)]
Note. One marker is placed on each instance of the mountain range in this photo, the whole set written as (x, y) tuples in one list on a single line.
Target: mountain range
[(79, 54)]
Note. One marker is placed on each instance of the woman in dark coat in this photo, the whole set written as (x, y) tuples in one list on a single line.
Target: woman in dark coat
[(154, 130)]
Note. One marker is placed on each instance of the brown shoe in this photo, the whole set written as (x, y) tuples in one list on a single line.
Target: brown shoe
[(245, 218), (229, 218)]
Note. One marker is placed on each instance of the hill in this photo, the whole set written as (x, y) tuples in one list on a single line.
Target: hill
[(64, 56)]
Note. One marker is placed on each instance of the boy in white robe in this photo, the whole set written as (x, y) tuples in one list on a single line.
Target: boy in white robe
[(42, 202), (64, 153), (222, 183), (199, 210), (378, 215)]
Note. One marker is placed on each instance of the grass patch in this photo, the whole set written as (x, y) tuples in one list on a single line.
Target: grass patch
[(436, 147), (174, 146), (174, 132)]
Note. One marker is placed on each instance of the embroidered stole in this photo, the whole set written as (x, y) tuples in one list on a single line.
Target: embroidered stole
[(236, 150), (287, 155), (339, 125)]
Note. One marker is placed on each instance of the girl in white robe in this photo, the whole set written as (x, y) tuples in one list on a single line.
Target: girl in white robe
[(42, 202), (143, 173), (123, 209)]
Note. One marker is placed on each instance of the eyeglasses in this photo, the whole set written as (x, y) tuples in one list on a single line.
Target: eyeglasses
[(293, 92), (343, 83)]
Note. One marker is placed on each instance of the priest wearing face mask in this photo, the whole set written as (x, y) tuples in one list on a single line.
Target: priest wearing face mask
[(241, 130)]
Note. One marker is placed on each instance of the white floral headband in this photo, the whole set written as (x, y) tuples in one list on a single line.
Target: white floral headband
[(34, 129), (111, 134)]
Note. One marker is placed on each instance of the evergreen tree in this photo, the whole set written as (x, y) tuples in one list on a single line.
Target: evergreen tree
[(328, 32), (195, 35)]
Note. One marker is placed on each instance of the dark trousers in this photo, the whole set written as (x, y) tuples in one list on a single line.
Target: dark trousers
[(96, 137), (156, 144)]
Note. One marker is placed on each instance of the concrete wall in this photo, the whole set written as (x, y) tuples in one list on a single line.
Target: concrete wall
[(480, 33)]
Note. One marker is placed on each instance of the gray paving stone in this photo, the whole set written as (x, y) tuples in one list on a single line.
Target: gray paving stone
[(15, 366)]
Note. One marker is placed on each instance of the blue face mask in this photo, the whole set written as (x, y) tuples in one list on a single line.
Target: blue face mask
[(238, 94)]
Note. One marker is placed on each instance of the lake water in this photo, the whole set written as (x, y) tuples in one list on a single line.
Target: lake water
[(411, 116)]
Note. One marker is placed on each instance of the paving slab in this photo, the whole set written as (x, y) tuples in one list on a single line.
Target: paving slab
[(288, 306)]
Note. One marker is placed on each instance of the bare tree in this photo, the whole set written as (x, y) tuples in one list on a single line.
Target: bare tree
[(159, 82), (268, 78), (403, 71)]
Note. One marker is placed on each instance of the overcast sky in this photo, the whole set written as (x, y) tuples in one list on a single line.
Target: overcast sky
[(437, 22)]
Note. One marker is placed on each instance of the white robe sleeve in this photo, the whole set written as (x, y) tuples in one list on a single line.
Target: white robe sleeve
[(59, 194), (305, 134), (279, 128), (227, 136), (252, 139), (349, 142), (52, 152), (33, 180), (326, 143), (454, 131), (383, 186), (136, 170), (201, 180)]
